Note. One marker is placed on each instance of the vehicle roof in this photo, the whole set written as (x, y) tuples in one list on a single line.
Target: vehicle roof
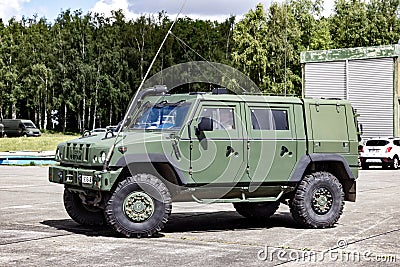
[(383, 138), (16, 120), (248, 98)]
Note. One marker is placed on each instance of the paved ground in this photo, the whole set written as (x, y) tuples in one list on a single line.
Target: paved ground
[(36, 231)]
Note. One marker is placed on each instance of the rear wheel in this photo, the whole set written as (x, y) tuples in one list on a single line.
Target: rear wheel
[(395, 164), (256, 210), (318, 201), (81, 213), (364, 166), (139, 207)]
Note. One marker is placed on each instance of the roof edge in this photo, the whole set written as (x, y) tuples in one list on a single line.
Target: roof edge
[(350, 53)]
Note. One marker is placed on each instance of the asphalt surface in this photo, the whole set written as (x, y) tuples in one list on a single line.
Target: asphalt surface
[(36, 231)]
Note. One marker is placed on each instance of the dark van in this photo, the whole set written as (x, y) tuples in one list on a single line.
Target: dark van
[(19, 127)]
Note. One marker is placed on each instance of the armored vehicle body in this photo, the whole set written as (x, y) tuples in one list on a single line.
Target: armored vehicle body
[(253, 151)]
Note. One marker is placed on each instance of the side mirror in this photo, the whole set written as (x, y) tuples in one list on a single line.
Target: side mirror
[(205, 125)]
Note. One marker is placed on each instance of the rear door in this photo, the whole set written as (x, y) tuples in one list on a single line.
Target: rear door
[(329, 128), (272, 146)]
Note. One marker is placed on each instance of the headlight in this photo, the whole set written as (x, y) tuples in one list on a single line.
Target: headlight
[(95, 159), (59, 154), (30, 132), (102, 157)]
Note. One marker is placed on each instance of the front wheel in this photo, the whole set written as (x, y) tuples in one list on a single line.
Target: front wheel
[(81, 213), (139, 206), (318, 200)]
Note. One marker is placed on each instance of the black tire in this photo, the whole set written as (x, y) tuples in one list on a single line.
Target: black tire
[(150, 195), (395, 164), (257, 210), (80, 213), (323, 212), (364, 166)]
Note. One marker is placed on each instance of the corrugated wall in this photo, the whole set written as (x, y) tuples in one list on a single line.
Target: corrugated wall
[(367, 83)]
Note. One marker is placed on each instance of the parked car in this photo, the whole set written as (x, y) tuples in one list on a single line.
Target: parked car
[(98, 130), (249, 150), (20, 127), (383, 152)]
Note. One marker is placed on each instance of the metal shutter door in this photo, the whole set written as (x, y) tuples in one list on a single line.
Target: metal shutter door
[(371, 93), (325, 80)]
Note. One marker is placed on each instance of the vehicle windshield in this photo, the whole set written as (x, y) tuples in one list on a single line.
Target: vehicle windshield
[(29, 125), (377, 143), (162, 115)]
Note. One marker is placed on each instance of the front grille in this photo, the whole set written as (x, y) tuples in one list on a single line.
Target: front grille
[(77, 152)]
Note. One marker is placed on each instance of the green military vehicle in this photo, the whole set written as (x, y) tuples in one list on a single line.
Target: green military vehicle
[(254, 151)]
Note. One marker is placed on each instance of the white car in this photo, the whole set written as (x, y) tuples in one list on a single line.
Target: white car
[(383, 152), (98, 131)]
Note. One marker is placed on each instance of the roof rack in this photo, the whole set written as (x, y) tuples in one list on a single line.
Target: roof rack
[(197, 93), (266, 94)]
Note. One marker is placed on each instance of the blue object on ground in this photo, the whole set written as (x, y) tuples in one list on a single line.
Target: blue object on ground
[(27, 160)]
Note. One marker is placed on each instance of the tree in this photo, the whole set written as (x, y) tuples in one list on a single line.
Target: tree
[(349, 24), (250, 52)]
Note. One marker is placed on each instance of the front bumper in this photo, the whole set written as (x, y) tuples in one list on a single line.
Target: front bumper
[(83, 178)]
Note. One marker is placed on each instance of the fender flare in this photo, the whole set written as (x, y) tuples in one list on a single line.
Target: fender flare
[(305, 161), (150, 158)]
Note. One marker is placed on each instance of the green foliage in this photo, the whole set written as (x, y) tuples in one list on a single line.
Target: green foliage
[(87, 66)]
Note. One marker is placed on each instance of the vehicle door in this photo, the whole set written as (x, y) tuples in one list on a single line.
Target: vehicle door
[(272, 146), (217, 156)]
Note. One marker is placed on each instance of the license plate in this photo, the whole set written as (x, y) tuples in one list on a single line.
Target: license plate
[(374, 160), (86, 179)]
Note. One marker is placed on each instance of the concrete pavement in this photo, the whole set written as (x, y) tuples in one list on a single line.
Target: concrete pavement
[(36, 231)]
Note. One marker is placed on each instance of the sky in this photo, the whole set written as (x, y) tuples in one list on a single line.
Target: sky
[(203, 9)]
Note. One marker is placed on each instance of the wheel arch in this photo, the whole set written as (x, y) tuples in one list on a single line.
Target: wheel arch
[(333, 163), (154, 164)]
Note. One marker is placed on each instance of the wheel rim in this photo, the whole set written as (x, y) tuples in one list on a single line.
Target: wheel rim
[(395, 163), (138, 206), (322, 201)]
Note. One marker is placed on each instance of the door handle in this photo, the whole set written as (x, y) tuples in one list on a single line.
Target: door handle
[(285, 150), (230, 151)]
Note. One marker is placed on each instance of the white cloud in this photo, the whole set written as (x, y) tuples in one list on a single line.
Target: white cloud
[(11, 8), (206, 9), (329, 6), (106, 6)]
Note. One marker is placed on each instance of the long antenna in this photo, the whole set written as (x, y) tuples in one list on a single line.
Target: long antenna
[(286, 37), (133, 102)]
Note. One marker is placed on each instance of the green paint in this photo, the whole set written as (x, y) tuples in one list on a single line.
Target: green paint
[(244, 153), (350, 53)]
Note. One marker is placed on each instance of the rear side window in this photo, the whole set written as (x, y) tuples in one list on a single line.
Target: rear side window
[(377, 143), (269, 119), (396, 142)]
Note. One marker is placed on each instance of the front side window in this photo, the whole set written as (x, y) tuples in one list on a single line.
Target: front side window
[(223, 118), (269, 119), (162, 115), (29, 125)]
